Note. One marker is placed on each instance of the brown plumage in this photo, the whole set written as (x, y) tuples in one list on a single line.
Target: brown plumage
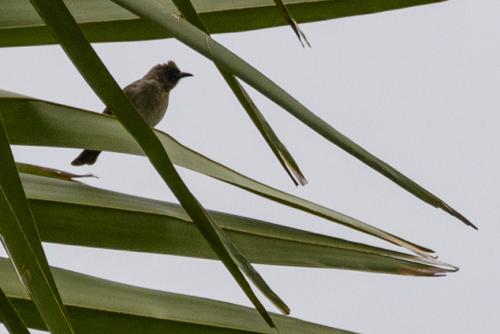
[(149, 95)]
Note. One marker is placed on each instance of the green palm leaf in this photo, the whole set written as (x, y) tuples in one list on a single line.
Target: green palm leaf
[(64, 27), (10, 317), (100, 306), (279, 149), (201, 42), (74, 213), (69, 212), (103, 21), (33, 122), (22, 242)]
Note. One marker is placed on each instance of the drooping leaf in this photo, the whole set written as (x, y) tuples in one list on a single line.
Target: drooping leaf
[(100, 306), (34, 122), (279, 149), (65, 29), (103, 21), (74, 213), (22, 242), (201, 42)]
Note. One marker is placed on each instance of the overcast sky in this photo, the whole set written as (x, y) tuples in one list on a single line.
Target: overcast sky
[(417, 87)]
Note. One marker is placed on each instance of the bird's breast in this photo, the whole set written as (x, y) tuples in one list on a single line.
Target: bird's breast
[(151, 101), (155, 113)]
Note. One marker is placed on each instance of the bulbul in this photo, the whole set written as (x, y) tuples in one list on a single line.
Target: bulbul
[(150, 97)]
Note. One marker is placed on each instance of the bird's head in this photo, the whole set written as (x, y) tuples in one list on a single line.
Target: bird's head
[(169, 74)]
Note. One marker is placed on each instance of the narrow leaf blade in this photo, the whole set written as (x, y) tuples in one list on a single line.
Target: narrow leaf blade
[(57, 17), (103, 306), (22, 242), (35, 122), (103, 21), (201, 42), (10, 317), (77, 214), (277, 147), (288, 18)]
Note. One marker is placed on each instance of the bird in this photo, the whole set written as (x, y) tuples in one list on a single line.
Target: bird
[(150, 96)]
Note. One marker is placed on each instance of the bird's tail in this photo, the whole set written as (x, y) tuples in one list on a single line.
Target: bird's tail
[(87, 157)]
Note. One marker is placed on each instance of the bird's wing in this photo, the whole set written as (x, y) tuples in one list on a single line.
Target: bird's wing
[(135, 89), (131, 91)]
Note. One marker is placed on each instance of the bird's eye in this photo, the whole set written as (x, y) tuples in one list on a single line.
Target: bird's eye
[(172, 72)]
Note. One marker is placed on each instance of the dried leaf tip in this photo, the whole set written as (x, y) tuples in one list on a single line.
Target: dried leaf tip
[(49, 172), (293, 170), (293, 24)]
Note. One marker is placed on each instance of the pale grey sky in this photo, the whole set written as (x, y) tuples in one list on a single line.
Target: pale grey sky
[(417, 87)]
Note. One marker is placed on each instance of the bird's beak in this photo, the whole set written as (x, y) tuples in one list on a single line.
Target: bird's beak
[(184, 75)]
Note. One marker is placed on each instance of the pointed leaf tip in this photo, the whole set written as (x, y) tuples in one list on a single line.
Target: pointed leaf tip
[(290, 166), (458, 215), (284, 157), (293, 24)]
